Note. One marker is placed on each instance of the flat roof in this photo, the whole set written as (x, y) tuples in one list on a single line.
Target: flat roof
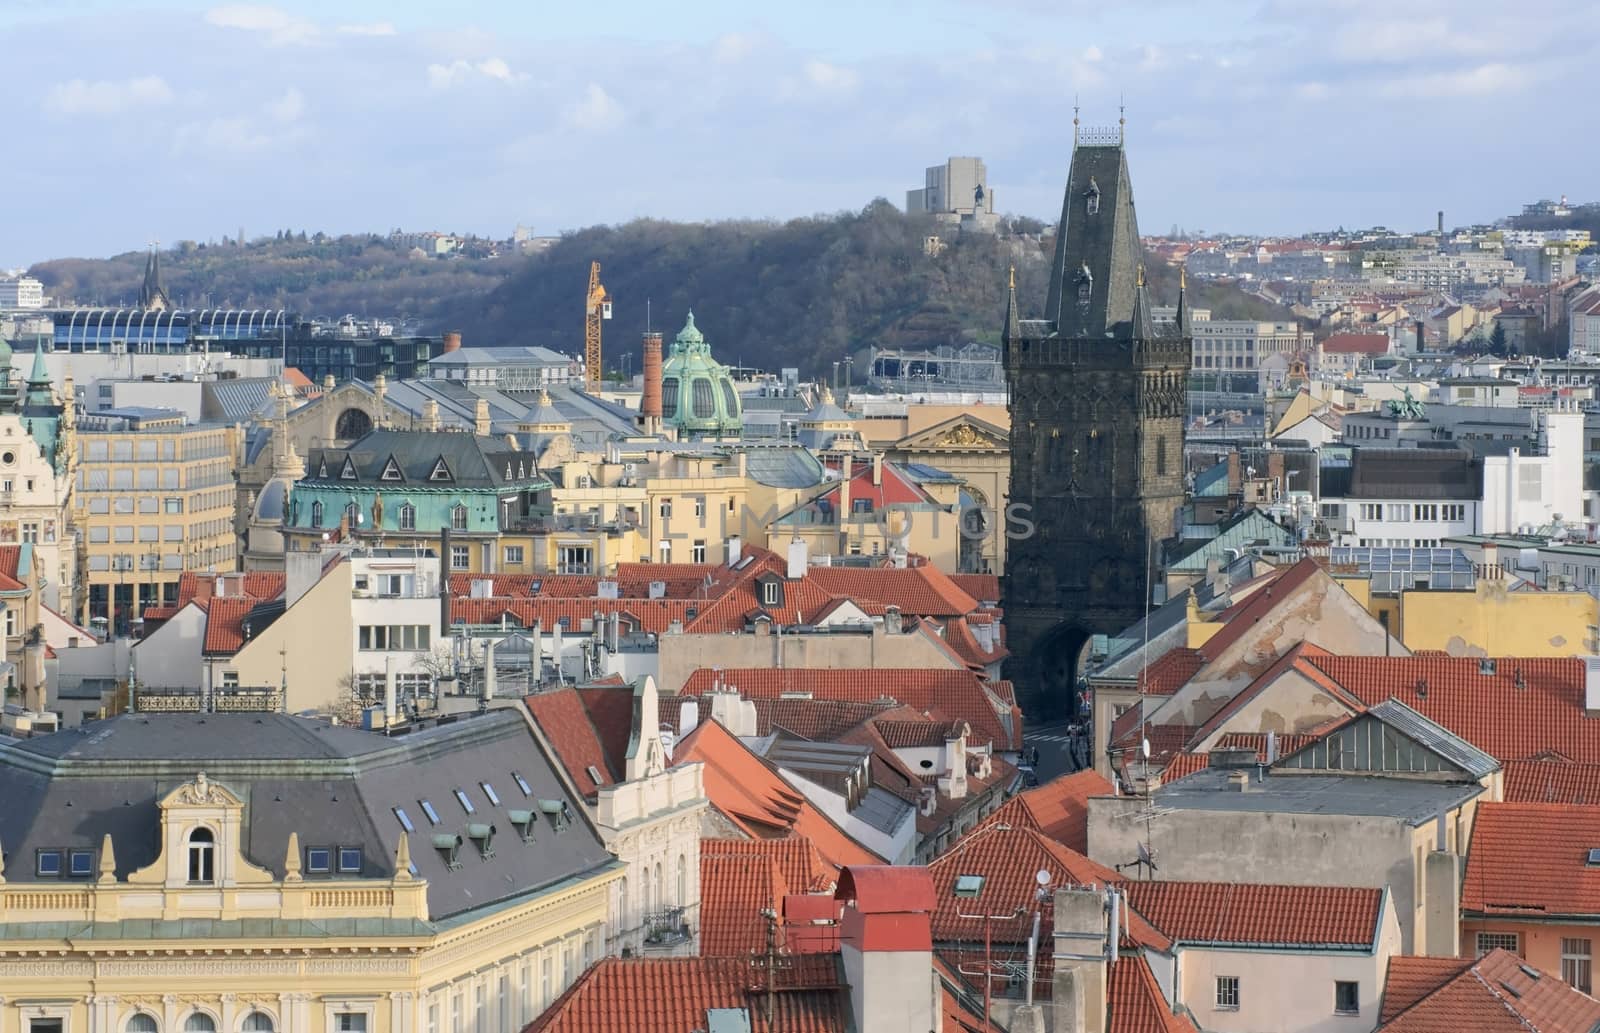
[(1413, 801)]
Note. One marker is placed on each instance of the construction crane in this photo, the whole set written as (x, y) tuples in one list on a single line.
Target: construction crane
[(597, 307)]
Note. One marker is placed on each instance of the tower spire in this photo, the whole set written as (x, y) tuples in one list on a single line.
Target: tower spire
[(1013, 324), (1143, 325), (1183, 302)]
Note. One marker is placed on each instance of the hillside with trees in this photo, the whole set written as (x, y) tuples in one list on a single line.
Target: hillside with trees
[(804, 293)]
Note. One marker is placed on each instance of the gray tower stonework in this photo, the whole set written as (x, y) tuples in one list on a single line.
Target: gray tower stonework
[(1097, 393)]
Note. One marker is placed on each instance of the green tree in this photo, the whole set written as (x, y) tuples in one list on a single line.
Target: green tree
[(1497, 339)]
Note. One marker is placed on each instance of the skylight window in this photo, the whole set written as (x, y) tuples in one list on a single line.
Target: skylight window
[(319, 860), (81, 863), (48, 863), (1594, 857), (405, 819), (488, 790), (350, 859), (594, 775), (522, 784), (466, 804), (427, 808)]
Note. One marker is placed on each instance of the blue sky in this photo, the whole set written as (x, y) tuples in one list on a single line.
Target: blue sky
[(187, 119)]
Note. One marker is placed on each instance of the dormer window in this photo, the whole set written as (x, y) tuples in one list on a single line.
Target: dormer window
[(769, 593), (391, 471), (202, 856), (47, 864), (350, 860), (458, 518), (319, 860), (347, 472), (1091, 198), (440, 471), (1085, 285), (80, 863), (316, 514)]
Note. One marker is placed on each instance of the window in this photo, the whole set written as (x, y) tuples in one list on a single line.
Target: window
[(427, 808), (199, 1022), (48, 863), (458, 517), (408, 517), (257, 1022), (769, 593), (544, 983), (466, 804), (683, 880), (1498, 941), (1228, 993), (405, 819), (141, 1022), (1346, 997), (860, 505), (1577, 963), (80, 863), (202, 855), (350, 859), (522, 784), (666, 509), (488, 790), (319, 860), (350, 1022), (704, 400), (669, 397), (700, 508), (513, 556), (460, 557), (697, 553)]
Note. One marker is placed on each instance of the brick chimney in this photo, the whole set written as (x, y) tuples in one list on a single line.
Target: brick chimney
[(480, 418), (650, 398), (452, 341), (886, 940)]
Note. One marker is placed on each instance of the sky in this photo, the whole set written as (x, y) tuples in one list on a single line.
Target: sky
[(130, 122)]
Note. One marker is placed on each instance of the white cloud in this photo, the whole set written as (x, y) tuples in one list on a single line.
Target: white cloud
[(1491, 78), (105, 97), (830, 78), (442, 77), (369, 29), (277, 25), (596, 112), (288, 107), (236, 136), (731, 47), (1092, 54), (1312, 91)]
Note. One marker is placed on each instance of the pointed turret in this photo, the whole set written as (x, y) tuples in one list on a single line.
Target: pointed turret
[(1097, 257), (108, 860), (1013, 325), (153, 293), (1182, 319), (39, 391), (1143, 326)]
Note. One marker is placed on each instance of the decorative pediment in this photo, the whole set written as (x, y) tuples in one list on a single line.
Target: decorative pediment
[(202, 792), (961, 433)]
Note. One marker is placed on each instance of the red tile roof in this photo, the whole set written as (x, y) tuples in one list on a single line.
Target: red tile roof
[(734, 891), (654, 615), (1249, 914), (610, 710), (959, 694), (963, 640), (983, 587), (1241, 617), (1135, 1001), (1059, 808), (1171, 671), (225, 625), (1551, 781), (671, 995), (1495, 994), (803, 867), (1530, 859), (10, 561), (923, 591), (754, 797), (1356, 344), (561, 716), (1488, 710)]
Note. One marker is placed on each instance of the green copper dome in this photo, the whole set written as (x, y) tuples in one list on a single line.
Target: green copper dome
[(697, 393)]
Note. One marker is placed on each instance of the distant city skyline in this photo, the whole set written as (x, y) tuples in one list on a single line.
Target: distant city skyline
[(187, 120)]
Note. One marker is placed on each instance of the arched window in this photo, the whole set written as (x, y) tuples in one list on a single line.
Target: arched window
[(622, 903), (257, 1022), (353, 423), (199, 1022), (683, 880), (352, 515), (458, 518), (316, 514), (661, 900), (141, 1022), (408, 517), (202, 862)]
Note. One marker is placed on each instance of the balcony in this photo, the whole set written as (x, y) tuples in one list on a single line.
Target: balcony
[(666, 929), (566, 523)]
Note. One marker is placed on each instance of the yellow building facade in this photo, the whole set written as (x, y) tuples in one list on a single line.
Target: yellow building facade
[(153, 499), (386, 906)]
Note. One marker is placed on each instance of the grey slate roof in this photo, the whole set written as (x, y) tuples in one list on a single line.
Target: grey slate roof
[(1412, 801), (1106, 244), (473, 462), (332, 786)]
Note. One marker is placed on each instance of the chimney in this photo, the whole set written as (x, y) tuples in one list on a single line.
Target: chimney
[(650, 397), (1591, 686), (452, 341), (1235, 475), (734, 712), (886, 944), (797, 559), (877, 469), (480, 418), (846, 471), (688, 716), (1441, 222), (953, 780), (430, 415), (301, 570), (1085, 937), (1239, 781), (488, 671), (1421, 341), (735, 550)]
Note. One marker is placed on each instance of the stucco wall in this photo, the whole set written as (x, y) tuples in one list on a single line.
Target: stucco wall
[(1540, 941), (309, 644), (1493, 622), (682, 655), (170, 658)]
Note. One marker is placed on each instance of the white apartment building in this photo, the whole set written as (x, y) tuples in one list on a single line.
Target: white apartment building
[(395, 612), (21, 292), (1241, 345)]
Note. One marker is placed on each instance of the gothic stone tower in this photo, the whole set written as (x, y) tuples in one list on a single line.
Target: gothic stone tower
[(1097, 401)]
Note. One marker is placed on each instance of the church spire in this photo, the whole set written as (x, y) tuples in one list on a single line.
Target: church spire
[(1183, 303), (1143, 327), (153, 293), (39, 392), (1097, 255), (1013, 327)]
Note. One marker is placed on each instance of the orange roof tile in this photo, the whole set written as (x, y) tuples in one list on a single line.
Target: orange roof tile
[(924, 591), (561, 716), (804, 868), (1241, 617), (671, 995), (960, 694), (1495, 994), (224, 624), (654, 615), (983, 587), (734, 891), (1356, 344), (1250, 914), (757, 799), (1171, 671), (1532, 859), (1135, 1001), (1059, 808), (1551, 781), (1491, 711)]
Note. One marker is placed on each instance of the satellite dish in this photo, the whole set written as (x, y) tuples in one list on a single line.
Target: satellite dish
[(1144, 748), (1146, 856), (1042, 878)]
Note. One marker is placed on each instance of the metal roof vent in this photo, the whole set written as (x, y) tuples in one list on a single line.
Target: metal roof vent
[(1594, 858)]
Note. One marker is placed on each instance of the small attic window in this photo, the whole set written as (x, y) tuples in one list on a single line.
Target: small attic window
[(1594, 858), (522, 784), (488, 790), (347, 472), (440, 471), (594, 775), (769, 593), (466, 804), (427, 808), (1091, 198), (1485, 666), (391, 471)]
